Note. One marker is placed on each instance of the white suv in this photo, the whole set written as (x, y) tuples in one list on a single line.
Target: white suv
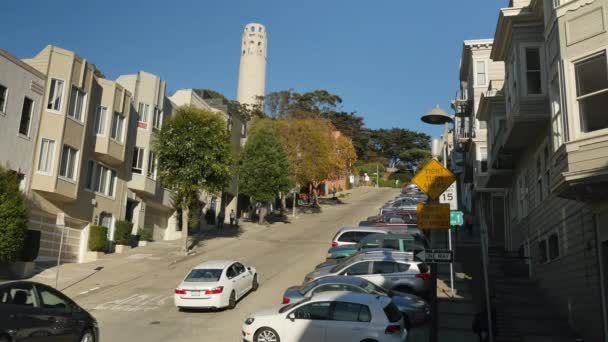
[(328, 316)]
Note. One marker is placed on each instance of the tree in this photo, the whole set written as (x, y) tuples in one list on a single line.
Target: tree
[(390, 143), (265, 168), (344, 156), (352, 126), (194, 154), (13, 217)]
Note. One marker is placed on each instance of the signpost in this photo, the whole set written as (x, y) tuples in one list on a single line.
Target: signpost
[(437, 256), (449, 197), (434, 179), (60, 222), (433, 216)]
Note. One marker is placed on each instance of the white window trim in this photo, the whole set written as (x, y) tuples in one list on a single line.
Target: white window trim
[(29, 127), (62, 96), (523, 68), (82, 119), (103, 133), (160, 118), (142, 155), (122, 133), (51, 164), (76, 165), (547, 250), (94, 177), (574, 117), (155, 171), (143, 105), (485, 64), (3, 110)]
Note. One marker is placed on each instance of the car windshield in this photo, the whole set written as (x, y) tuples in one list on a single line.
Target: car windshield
[(305, 288), (370, 287), (201, 275), (292, 305)]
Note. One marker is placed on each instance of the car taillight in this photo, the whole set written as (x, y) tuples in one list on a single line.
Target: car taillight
[(216, 290), (286, 300), (392, 329), (334, 244), (423, 276), (180, 291)]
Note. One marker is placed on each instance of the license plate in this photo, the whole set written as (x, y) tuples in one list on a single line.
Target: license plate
[(195, 293)]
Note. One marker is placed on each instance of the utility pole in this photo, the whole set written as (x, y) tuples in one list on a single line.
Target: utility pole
[(377, 176)]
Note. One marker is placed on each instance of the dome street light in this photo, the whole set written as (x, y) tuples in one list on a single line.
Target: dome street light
[(436, 116)]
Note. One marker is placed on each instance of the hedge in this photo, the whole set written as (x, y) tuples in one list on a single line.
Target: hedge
[(122, 235), (13, 217), (98, 238), (145, 235), (32, 246)]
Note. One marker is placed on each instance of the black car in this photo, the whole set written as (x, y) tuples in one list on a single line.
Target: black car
[(32, 311)]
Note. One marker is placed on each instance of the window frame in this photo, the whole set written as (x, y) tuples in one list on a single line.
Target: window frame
[(557, 112), (574, 105), (81, 119), (152, 162), (29, 125), (92, 179), (140, 160), (61, 97), (75, 161), (120, 139), (50, 153), (99, 121), (477, 73), (523, 72), (157, 118), (4, 104), (143, 108)]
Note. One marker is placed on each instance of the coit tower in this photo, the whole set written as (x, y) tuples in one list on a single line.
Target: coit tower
[(252, 71)]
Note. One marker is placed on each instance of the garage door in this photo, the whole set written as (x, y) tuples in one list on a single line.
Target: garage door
[(50, 238)]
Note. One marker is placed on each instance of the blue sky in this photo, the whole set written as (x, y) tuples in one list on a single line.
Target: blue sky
[(390, 60)]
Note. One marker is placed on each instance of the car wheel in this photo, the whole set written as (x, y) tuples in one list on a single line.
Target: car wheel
[(232, 300), (266, 335), (255, 284), (87, 336), (406, 322)]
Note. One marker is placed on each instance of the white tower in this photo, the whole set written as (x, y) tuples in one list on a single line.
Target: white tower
[(252, 71)]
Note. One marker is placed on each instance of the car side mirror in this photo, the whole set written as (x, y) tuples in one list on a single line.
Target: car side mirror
[(291, 316)]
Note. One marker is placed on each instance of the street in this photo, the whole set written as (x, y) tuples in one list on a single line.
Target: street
[(133, 301)]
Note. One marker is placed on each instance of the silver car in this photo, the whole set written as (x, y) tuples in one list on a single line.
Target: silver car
[(414, 309), (400, 205), (386, 268)]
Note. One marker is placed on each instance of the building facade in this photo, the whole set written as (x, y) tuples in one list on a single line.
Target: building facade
[(547, 134)]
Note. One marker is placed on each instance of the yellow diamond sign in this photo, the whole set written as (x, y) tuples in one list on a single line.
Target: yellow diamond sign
[(434, 179)]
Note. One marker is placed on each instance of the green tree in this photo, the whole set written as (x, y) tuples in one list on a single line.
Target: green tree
[(13, 217), (194, 154), (265, 169)]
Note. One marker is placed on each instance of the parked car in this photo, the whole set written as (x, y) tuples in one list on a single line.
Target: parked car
[(403, 204), (386, 268), (411, 241), (393, 217), (414, 309), (215, 284), (328, 316), (352, 235), (32, 311)]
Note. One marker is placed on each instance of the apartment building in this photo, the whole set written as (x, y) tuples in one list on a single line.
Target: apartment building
[(21, 99), (148, 205), (77, 161), (547, 134)]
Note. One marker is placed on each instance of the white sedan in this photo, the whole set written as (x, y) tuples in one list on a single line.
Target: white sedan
[(215, 284), (328, 317)]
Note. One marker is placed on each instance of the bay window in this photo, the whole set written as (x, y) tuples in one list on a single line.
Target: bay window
[(55, 95), (592, 93), (533, 71)]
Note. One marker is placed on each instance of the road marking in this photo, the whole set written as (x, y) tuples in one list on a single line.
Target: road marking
[(136, 302), (90, 290)]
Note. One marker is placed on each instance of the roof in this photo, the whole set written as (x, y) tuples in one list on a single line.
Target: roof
[(340, 280), (361, 298), (215, 264), (384, 254), (22, 64), (359, 229)]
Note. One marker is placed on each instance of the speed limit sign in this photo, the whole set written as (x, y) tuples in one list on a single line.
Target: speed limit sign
[(449, 197)]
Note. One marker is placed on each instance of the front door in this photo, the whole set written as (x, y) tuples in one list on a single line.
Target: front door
[(310, 323), (60, 311)]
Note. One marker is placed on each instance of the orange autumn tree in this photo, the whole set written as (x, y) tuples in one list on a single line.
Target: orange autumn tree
[(345, 156)]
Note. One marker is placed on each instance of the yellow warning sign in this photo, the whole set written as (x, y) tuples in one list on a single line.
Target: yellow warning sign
[(433, 216), (434, 179)]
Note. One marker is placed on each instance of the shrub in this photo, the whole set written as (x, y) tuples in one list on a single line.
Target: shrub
[(122, 235), (98, 238), (31, 246), (389, 183), (145, 235), (13, 217)]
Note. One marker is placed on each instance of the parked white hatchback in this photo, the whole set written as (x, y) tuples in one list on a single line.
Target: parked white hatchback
[(215, 284), (328, 316)]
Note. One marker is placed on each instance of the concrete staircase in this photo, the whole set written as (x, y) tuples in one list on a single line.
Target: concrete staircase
[(523, 313)]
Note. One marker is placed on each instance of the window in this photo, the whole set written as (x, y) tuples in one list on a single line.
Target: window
[(349, 237), (547, 164), (252, 28), (152, 165), (392, 313), (26, 116), (480, 73), (157, 121), (357, 269), (45, 160), (90, 175), (533, 71), (138, 160), (317, 311), (143, 113), (18, 294), (55, 95), (542, 251), (592, 93), (3, 93), (557, 125), (331, 287), (539, 182), (101, 180), (553, 246), (100, 120), (384, 267), (117, 126), (52, 300), (76, 104), (69, 157), (351, 312)]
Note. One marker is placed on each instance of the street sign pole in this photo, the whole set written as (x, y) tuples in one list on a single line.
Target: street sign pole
[(60, 223), (445, 164)]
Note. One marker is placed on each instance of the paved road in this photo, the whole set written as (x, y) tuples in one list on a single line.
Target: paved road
[(136, 304)]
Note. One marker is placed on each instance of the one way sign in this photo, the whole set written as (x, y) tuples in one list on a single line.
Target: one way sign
[(435, 256)]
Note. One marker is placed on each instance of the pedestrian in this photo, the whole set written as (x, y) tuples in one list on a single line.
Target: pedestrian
[(232, 217), (470, 220), (480, 322), (220, 219), (333, 192)]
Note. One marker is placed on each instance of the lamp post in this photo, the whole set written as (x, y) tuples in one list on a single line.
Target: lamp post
[(438, 116)]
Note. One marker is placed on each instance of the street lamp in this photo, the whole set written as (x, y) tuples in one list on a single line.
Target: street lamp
[(436, 116)]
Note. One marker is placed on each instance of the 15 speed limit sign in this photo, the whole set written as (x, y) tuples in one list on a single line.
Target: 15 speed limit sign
[(449, 197)]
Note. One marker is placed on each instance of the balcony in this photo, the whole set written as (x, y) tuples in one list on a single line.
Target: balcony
[(109, 151), (142, 185), (580, 169)]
